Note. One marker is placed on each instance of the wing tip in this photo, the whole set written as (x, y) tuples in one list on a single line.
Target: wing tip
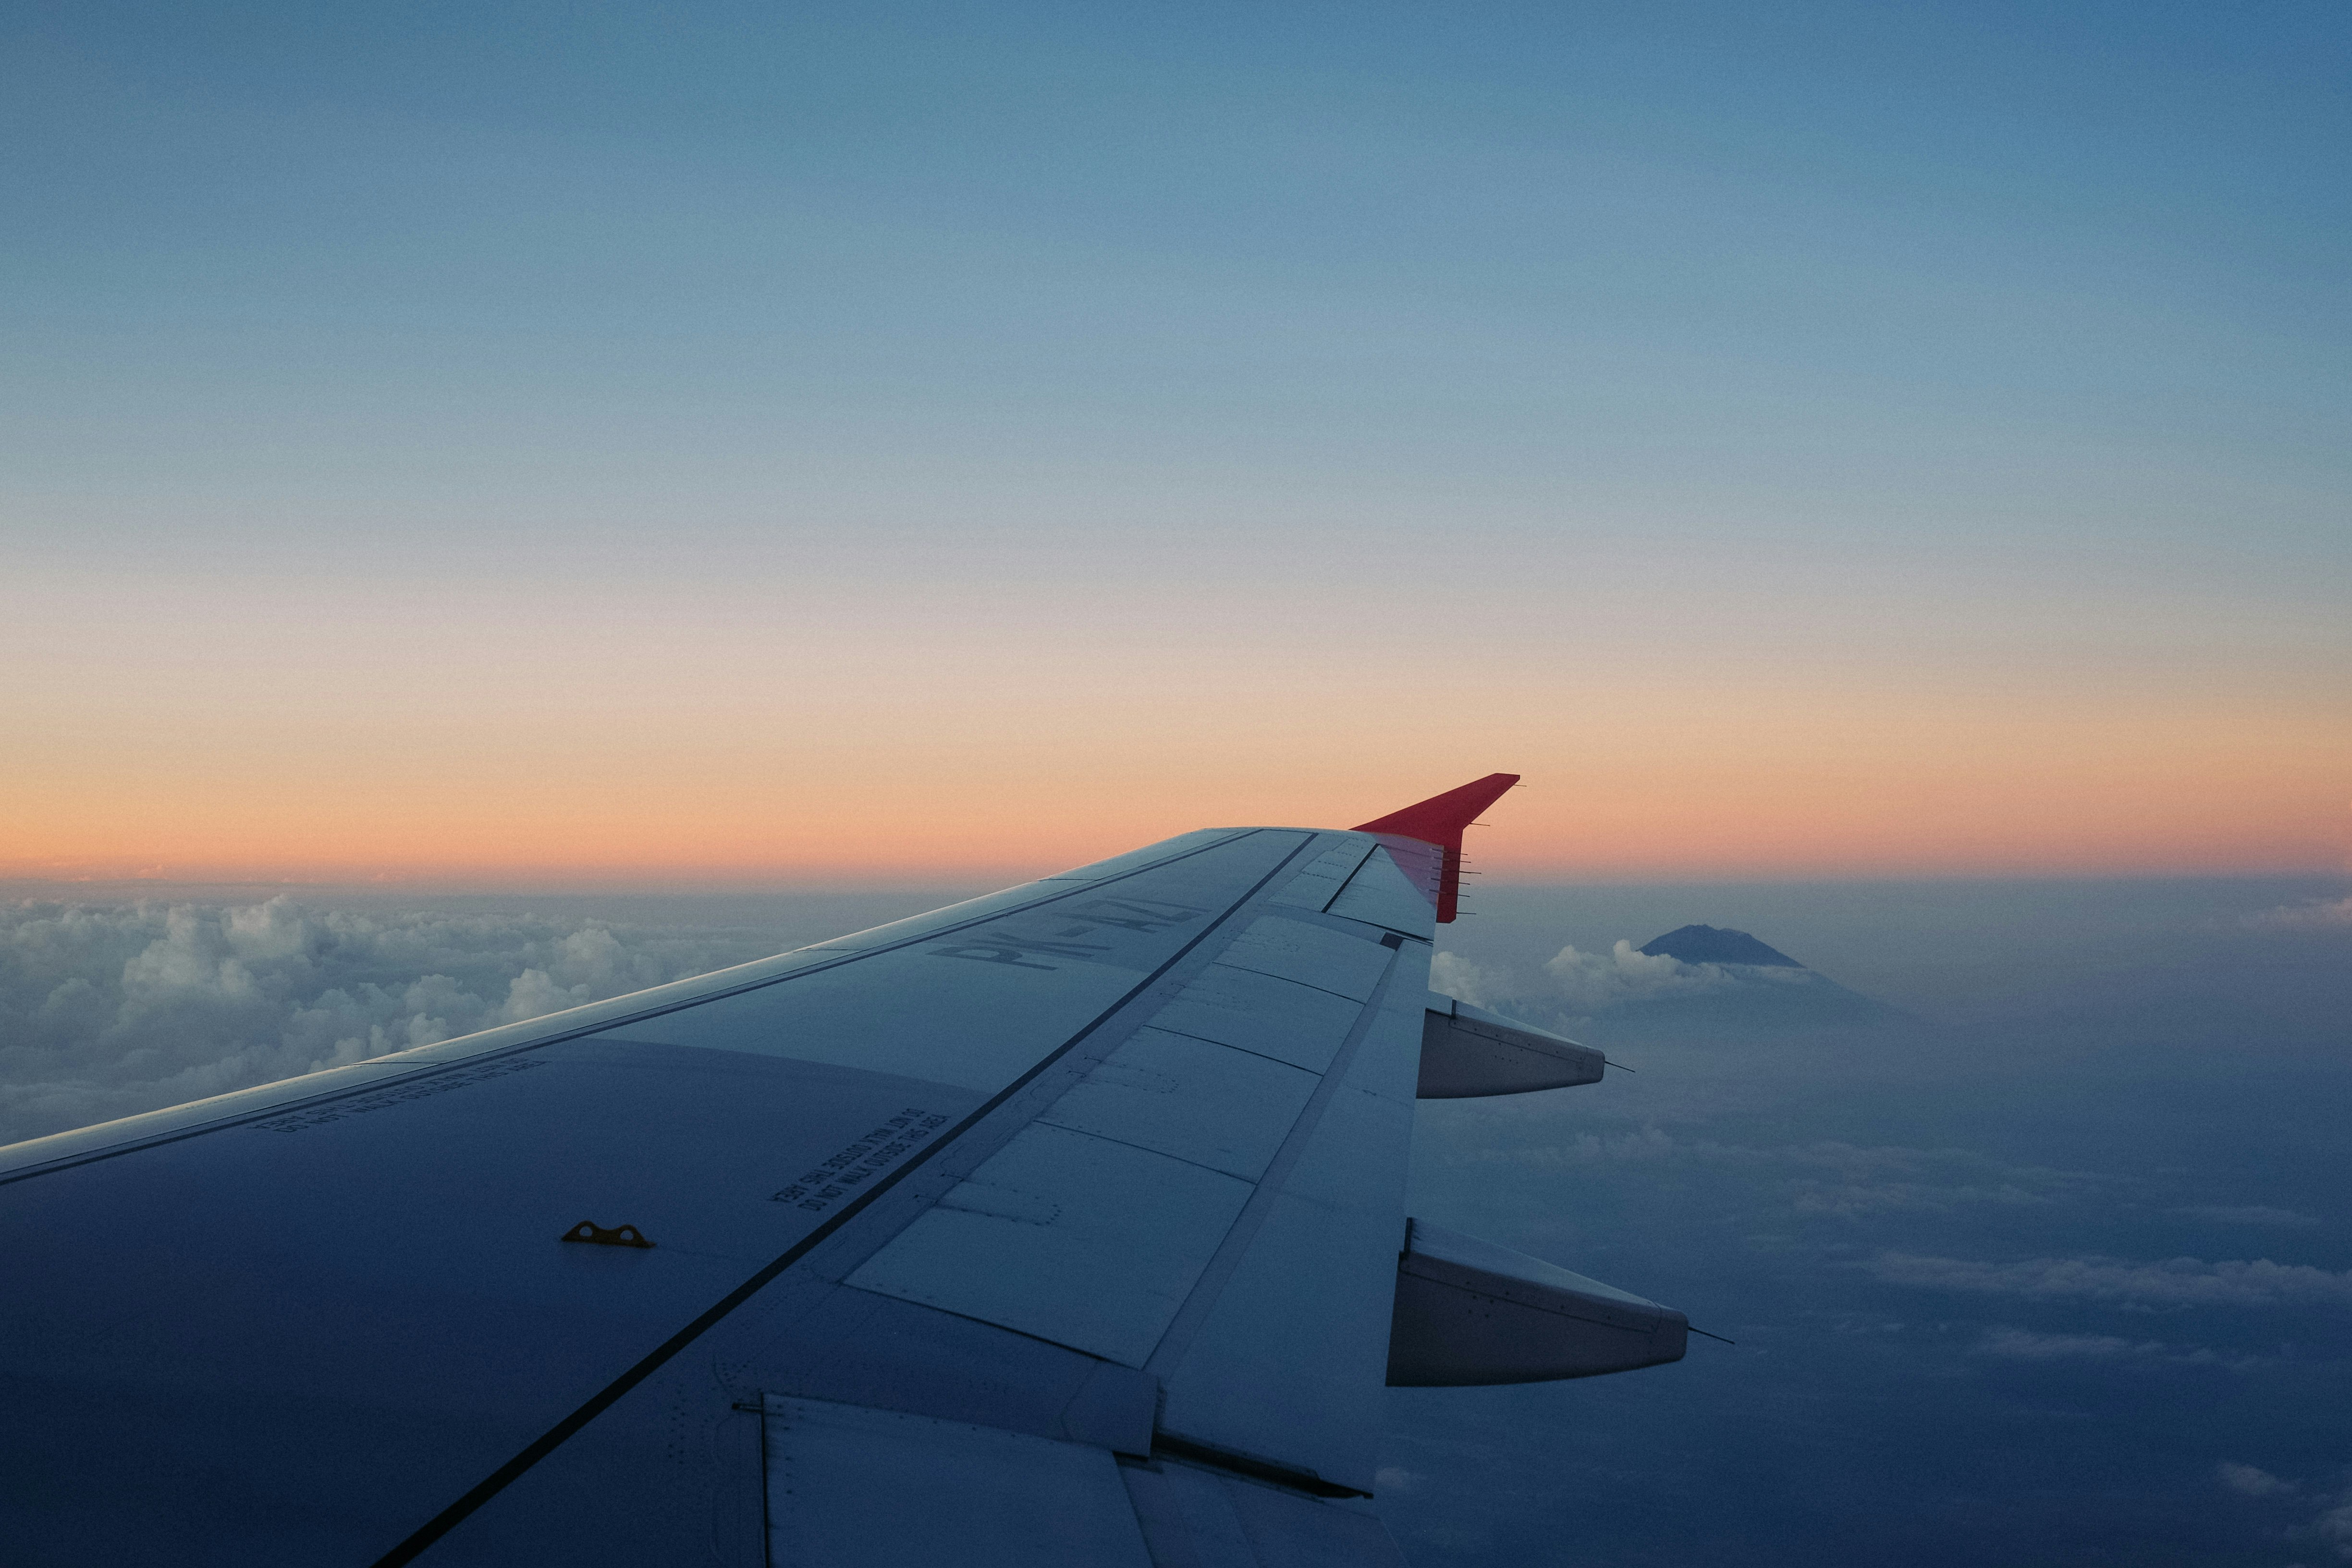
[(1440, 820)]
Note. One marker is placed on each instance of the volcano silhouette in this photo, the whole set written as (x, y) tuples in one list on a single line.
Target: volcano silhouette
[(1745, 986), (1713, 944)]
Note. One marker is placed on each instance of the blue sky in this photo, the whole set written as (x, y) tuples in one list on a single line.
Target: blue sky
[(1856, 359), (1831, 252)]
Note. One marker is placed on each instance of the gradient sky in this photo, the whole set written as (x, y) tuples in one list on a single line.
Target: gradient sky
[(809, 441)]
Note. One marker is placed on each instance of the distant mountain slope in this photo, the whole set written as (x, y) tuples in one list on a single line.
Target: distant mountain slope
[(1745, 987), (1715, 944)]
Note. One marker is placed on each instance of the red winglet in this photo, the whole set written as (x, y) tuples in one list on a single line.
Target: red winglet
[(1440, 820)]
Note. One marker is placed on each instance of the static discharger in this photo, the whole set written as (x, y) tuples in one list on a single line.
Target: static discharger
[(1439, 820), (596, 1235)]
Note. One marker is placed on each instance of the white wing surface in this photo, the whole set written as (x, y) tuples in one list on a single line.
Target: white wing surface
[(1061, 1226)]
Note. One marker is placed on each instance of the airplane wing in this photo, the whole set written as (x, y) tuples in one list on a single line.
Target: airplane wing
[(1065, 1225)]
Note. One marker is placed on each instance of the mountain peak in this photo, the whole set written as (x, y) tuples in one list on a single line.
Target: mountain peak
[(1712, 944)]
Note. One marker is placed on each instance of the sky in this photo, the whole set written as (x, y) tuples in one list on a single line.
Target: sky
[(597, 444)]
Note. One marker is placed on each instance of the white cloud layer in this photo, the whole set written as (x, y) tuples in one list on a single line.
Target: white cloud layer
[(1590, 982), (2249, 1214), (1825, 1177), (1575, 984), (105, 1012), (2022, 1344), (2176, 1282), (2306, 917), (2334, 1529), (2331, 1529)]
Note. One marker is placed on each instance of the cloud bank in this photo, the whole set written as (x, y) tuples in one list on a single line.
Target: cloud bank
[(2316, 916), (106, 1012), (2022, 1344), (1827, 1177), (1578, 985), (2176, 1282), (2249, 1214)]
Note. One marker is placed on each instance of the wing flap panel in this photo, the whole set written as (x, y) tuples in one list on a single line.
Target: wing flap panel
[(1252, 1012), (1093, 1226), (857, 1348), (1197, 1518), (1328, 960), (914, 1012), (1049, 1237), (1288, 1366), (1284, 1363), (981, 1005), (1380, 894), (850, 1485), (1314, 887), (1212, 1105)]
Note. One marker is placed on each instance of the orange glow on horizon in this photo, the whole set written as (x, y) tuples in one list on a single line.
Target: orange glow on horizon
[(1641, 813), (529, 752)]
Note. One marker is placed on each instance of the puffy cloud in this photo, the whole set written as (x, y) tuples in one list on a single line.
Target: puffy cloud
[(2334, 1527), (108, 1011), (2249, 1481), (2331, 1529), (1475, 984), (1589, 983), (2177, 1282), (1574, 985), (1577, 984)]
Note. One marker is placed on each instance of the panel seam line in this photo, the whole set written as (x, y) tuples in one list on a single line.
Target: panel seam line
[(498, 1480)]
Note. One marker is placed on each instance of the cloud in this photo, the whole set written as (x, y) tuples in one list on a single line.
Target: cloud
[(2334, 1528), (2020, 1344), (1826, 1177), (2317, 916), (2251, 1214), (108, 1011), (1476, 984), (1589, 982), (2177, 1282), (2249, 1481), (1576, 983)]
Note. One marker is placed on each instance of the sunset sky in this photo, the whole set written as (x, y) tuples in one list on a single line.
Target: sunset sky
[(604, 443)]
